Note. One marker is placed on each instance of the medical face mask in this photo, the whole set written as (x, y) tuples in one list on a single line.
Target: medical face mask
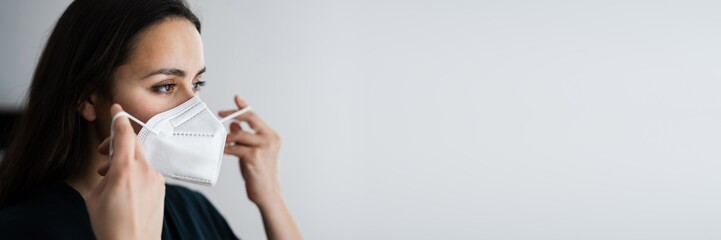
[(184, 143)]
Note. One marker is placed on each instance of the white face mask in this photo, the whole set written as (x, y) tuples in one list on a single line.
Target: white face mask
[(185, 143)]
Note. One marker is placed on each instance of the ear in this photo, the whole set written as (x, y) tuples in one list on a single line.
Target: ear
[(87, 108)]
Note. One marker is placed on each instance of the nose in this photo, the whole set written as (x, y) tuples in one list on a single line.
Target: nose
[(188, 91)]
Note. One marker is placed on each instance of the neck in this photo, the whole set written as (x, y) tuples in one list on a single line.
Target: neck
[(86, 181)]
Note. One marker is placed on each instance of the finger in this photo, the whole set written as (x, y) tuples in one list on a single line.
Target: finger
[(244, 138), (104, 147), (103, 169), (251, 118), (123, 137), (235, 126), (238, 150), (240, 103)]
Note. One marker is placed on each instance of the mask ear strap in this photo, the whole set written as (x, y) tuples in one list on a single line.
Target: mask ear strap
[(235, 114), (112, 128)]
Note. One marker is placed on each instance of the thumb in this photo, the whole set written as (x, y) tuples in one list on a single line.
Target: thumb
[(122, 137)]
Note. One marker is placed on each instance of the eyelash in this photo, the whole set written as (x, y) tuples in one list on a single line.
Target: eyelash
[(199, 84), (165, 88), (170, 87)]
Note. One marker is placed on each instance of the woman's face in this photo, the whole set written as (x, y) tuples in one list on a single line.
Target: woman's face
[(163, 71)]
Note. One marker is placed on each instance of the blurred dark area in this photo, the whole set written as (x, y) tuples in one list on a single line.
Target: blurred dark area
[(8, 120)]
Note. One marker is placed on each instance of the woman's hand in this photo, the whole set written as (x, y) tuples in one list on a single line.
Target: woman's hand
[(258, 155), (129, 202)]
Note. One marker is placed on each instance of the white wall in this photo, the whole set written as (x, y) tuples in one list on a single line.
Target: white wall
[(462, 119)]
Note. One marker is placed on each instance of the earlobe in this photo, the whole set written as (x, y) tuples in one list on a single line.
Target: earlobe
[(87, 108)]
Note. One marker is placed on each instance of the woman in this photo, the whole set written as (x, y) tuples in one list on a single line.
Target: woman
[(103, 57)]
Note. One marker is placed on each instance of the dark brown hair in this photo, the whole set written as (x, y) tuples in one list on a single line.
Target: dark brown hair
[(90, 40)]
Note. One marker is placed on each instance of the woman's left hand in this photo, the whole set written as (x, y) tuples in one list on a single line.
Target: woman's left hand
[(258, 155)]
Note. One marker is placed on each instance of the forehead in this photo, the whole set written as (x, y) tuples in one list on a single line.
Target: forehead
[(173, 42)]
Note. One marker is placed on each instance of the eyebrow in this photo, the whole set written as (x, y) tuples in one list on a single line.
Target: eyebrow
[(172, 72)]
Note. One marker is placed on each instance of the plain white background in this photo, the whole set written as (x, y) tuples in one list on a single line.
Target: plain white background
[(461, 119)]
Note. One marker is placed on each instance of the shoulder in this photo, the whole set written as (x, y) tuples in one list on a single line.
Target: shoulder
[(20, 221), (181, 190), (193, 215), (189, 201), (49, 213), (177, 193)]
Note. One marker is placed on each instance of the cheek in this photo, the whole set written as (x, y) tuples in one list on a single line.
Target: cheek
[(142, 103), (132, 98), (140, 109), (140, 106)]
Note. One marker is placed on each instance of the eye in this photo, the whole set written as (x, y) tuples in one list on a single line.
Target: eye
[(197, 85), (165, 88)]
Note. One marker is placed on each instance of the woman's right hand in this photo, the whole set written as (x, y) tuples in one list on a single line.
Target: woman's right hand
[(128, 203)]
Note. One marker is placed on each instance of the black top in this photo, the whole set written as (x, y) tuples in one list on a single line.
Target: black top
[(58, 212)]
